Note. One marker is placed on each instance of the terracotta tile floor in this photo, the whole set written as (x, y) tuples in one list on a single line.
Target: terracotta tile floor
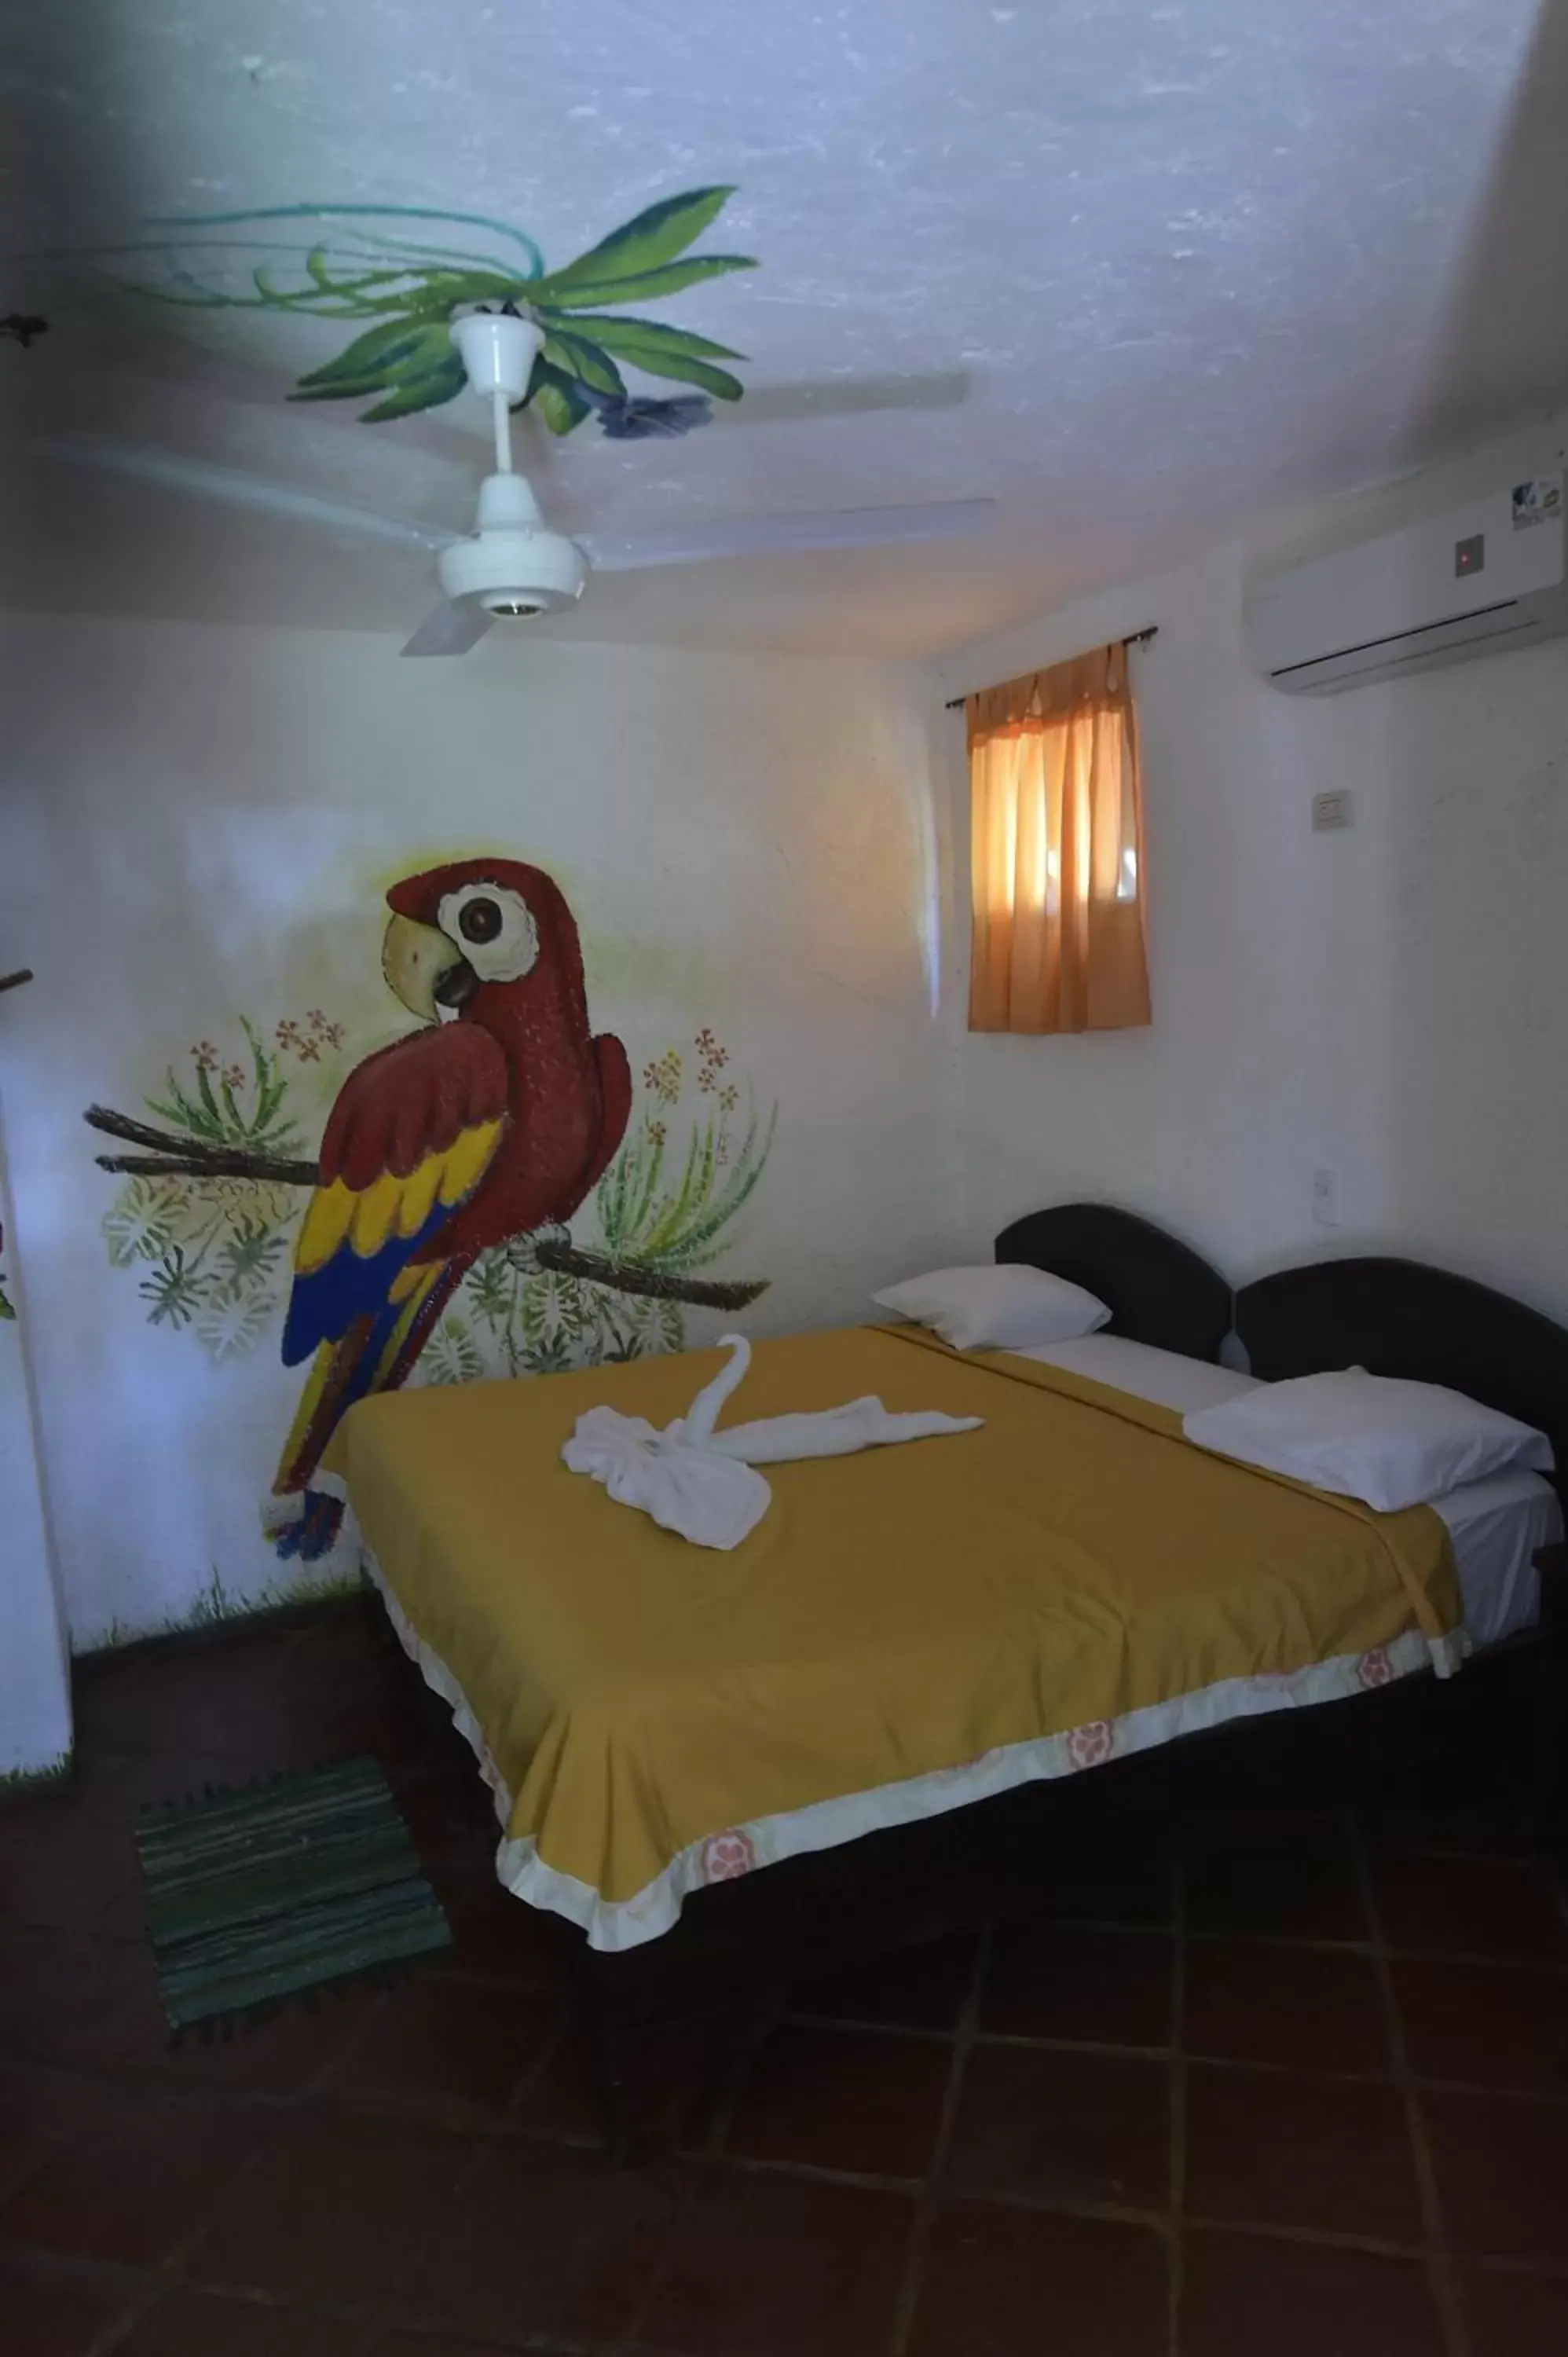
[(1301, 2093)]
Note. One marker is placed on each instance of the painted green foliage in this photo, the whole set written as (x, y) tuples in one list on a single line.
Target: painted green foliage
[(401, 291), (215, 1253), (214, 1256)]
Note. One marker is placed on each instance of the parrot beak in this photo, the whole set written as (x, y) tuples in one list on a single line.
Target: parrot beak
[(433, 980)]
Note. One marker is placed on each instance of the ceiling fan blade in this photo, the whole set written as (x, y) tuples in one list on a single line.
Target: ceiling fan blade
[(170, 472), (697, 543), (449, 629), (845, 396)]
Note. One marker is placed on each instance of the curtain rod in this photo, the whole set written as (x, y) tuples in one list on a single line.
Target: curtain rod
[(1132, 639)]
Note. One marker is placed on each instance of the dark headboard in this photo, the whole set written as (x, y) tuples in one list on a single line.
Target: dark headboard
[(1401, 1318), (1157, 1290)]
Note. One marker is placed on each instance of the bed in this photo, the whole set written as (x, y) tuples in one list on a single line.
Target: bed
[(619, 1794)]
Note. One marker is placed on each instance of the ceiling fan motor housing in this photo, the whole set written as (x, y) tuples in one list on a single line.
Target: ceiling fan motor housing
[(513, 566), (498, 351)]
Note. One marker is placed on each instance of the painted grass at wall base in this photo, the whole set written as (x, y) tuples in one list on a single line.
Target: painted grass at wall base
[(255, 1894), (217, 1603), (19, 1783)]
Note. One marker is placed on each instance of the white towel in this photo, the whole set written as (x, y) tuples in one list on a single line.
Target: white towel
[(699, 1482)]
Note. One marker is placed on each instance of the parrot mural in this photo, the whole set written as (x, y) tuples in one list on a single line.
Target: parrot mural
[(493, 1121)]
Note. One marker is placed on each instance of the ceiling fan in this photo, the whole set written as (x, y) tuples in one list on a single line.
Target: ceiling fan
[(512, 566)]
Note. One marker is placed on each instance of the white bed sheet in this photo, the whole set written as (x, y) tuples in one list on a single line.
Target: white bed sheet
[(1162, 1376), (1496, 1524)]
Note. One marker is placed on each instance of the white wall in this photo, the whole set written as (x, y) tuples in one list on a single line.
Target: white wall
[(35, 1695), (199, 824), (1387, 1003)]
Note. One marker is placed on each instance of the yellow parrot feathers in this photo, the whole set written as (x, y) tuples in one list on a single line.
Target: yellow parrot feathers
[(392, 1206)]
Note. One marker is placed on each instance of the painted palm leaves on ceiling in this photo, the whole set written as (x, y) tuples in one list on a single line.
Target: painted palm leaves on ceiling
[(378, 269)]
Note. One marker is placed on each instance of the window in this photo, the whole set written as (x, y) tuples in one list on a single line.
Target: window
[(1057, 867)]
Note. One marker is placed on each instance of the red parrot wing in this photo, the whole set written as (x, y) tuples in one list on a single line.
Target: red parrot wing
[(413, 1130), (413, 1100)]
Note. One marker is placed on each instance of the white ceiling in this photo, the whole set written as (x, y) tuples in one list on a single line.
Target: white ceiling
[(1135, 270)]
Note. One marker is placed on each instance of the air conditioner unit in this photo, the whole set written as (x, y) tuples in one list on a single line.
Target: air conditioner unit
[(1484, 578)]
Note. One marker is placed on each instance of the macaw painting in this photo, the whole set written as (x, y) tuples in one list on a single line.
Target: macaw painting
[(432, 1229)]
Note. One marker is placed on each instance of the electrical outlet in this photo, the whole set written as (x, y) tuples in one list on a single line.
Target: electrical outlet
[(1330, 810), (1325, 1199)]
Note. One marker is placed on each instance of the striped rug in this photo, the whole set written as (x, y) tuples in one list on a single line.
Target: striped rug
[(256, 1892)]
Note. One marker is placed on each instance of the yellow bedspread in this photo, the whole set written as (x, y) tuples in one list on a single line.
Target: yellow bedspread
[(897, 1614)]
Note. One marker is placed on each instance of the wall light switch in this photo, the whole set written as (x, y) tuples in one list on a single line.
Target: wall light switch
[(1330, 810), (1325, 1199)]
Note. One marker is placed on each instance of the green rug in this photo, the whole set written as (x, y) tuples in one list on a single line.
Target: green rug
[(255, 1893)]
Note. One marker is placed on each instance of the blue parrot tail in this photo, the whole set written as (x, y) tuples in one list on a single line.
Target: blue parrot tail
[(314, 1534)]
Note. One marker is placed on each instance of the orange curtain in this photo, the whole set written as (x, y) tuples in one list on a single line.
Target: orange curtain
[(1057, 851)]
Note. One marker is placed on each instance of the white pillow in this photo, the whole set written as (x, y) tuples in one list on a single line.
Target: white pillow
[(1375, 1438), (1004, 1306)]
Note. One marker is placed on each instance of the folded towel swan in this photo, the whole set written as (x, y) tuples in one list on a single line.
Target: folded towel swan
[(701, 1483)]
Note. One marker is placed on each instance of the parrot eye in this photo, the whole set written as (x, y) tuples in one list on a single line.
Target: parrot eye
[(493, 927), (479, 921)]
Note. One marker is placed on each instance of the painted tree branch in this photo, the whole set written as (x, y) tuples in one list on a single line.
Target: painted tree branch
[(140, 1133), (222, 1163), (567, 1260), (174, 1157)]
